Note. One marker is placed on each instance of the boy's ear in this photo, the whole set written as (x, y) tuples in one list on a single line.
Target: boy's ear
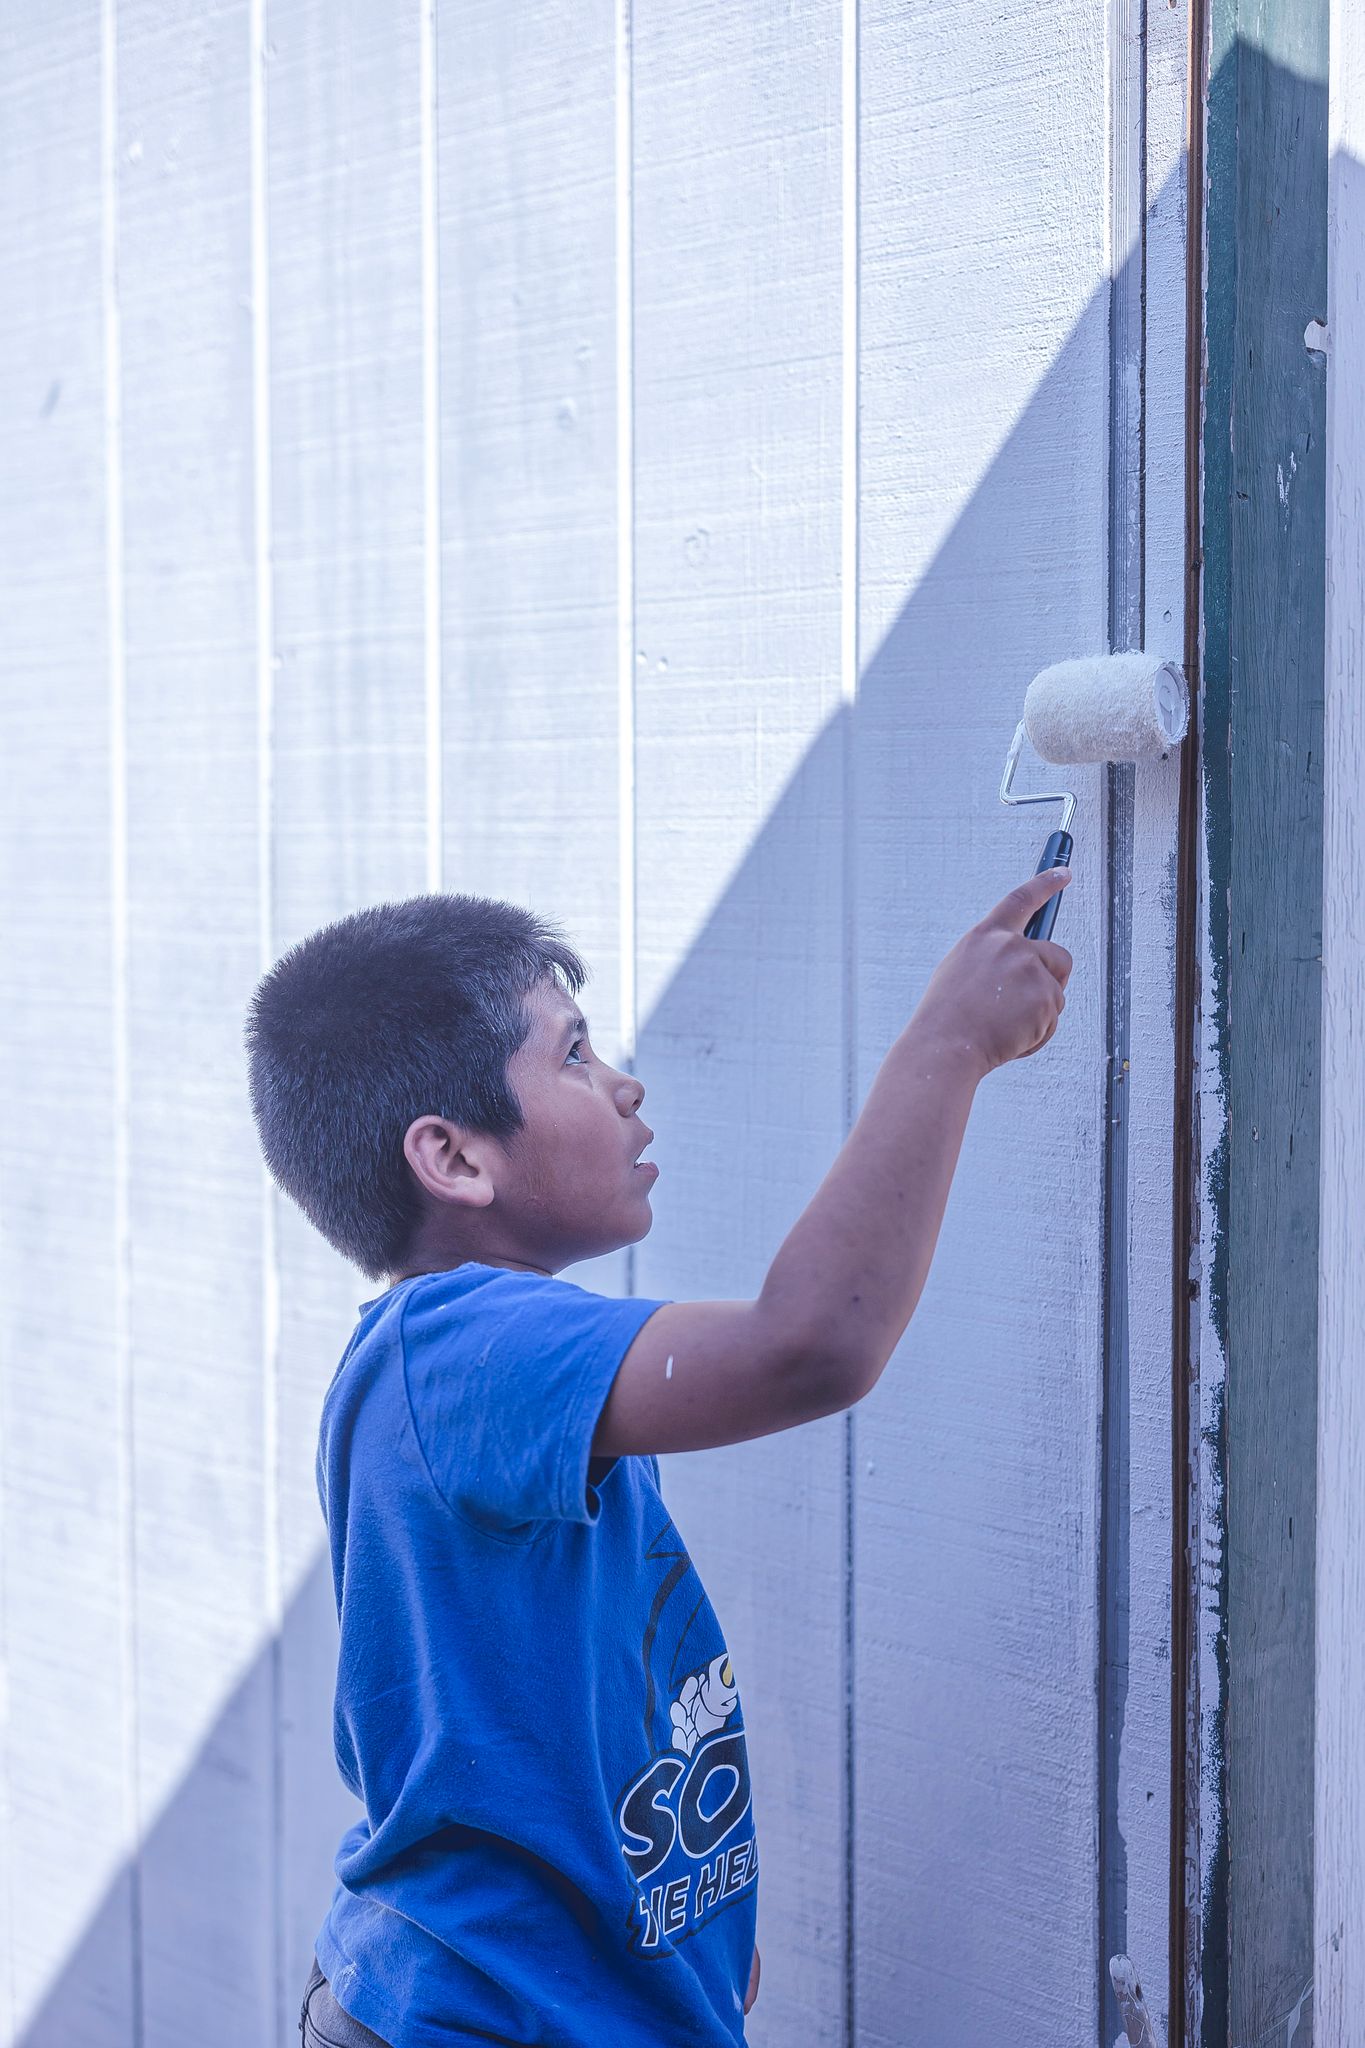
[(450, 1163)]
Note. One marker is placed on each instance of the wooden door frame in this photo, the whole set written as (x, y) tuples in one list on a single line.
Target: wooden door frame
[(1242, 1967)]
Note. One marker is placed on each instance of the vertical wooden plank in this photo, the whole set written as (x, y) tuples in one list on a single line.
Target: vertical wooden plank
[(348, 758), (1117, 1591), (528, 478), (983, 555), (1339, 1799), (737, 267), (1264, 513), (206, 1708), (65, 1799), (1145, 1095)]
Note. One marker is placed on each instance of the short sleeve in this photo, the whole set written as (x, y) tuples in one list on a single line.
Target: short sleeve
[(507, 1373)]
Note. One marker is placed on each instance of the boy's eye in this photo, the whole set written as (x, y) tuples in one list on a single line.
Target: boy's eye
[(572, 1050)]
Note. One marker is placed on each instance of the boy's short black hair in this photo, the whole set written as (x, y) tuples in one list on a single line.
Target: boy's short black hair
[(397, 1011)]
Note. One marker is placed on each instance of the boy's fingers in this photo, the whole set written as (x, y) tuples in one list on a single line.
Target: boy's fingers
[(1044, 1040), (1056, 959), (1014, 911)]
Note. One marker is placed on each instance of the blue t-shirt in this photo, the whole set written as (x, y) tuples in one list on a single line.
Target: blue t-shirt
[(534, 1701)]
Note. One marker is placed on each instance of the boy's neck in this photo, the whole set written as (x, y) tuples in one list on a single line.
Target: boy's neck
[(449, 1265)]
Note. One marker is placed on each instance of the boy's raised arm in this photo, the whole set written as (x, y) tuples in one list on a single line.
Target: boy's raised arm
[(846, 1280)]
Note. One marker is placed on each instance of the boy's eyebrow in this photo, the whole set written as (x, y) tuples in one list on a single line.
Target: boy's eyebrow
[(571, 1025)]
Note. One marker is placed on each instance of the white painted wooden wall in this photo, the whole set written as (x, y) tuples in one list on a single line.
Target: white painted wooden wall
[(630, 461)]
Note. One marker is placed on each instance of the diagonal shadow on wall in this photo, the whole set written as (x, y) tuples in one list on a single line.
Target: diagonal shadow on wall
[(1017, 582)]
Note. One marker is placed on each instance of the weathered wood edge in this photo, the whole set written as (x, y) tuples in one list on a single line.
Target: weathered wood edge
[(1263, 582)]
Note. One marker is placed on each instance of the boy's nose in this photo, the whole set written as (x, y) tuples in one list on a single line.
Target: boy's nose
[(633, 1092)]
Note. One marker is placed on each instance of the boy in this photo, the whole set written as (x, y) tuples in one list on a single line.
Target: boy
[(534, 1701)]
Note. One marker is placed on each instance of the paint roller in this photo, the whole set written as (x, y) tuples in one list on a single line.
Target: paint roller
[(1112, 707)]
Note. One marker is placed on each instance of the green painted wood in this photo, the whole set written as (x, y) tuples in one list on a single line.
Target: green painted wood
[(1264, 554)]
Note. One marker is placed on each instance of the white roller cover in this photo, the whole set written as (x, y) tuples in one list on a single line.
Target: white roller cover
[(1114, 707)]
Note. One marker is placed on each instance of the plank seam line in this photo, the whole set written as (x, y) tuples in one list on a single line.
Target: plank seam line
[(265, 794), (849, 650), (115, 627), (431, 432), (624, 136)]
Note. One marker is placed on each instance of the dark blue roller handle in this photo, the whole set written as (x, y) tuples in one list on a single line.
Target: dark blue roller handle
[(1056, 854)]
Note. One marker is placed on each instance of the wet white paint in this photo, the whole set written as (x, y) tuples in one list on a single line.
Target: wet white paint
[(1295, 2019), (1208, 1359)]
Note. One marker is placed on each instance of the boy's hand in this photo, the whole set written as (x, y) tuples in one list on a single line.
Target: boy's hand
[(998, 993), (753, 1982)]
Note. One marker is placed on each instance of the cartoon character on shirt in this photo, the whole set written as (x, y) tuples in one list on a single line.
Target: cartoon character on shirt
[(685, 1819), (707, 1700)]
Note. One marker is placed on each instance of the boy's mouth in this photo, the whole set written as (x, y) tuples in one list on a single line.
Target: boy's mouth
[(645, 1165)]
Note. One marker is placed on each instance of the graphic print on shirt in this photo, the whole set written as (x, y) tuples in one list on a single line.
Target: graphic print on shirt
[(687, 1832)]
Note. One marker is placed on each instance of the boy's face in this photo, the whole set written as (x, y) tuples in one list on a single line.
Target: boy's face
[(569, 1182), (563, 1188)]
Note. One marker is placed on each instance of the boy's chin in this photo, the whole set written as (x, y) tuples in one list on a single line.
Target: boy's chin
[(632, 1233), (627, 1234)]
